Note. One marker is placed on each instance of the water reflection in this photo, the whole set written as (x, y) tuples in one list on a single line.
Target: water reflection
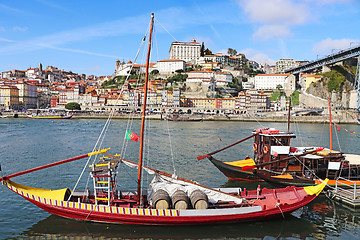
[(55, 227), (332, 220)]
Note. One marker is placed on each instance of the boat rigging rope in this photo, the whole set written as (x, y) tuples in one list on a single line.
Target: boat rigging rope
[(297, 128), (101, 137), (171, 151), (337, 138), (278, 205), (165, 30)]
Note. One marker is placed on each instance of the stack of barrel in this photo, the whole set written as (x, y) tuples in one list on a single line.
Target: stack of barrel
[(179, 200)]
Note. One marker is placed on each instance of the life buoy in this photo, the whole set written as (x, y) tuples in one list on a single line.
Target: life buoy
[(254, 146), (266, 149)]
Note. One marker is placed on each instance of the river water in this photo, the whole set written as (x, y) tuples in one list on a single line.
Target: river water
[(27, 143)]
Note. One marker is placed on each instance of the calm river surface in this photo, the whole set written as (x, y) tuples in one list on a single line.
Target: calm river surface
[(27, 143)]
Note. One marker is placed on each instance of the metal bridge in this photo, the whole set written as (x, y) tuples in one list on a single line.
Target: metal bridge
[(328, 60), (332, 59)]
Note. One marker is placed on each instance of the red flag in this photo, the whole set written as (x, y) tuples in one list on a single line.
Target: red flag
[(131, 136)]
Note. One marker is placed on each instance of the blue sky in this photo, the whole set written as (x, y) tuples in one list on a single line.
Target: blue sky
[(89, 36)]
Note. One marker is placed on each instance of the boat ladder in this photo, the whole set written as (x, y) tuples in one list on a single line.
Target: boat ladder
[(104, 179)]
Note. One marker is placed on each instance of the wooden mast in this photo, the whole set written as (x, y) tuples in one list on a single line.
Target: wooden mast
[(288, 120), (143, 111), (330, 124)]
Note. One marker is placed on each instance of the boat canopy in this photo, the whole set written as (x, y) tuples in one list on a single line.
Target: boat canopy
[(353, 159)]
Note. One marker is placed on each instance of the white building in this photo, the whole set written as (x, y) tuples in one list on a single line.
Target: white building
[(283, 64), (167, 66), (27, 94), (124, 69), (187, 51), (199, 76), (270, 81), (207, 77), (222, 79)]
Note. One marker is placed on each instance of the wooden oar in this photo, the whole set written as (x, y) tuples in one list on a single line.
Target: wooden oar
[(245, 168), (52, 164), (209, 154)]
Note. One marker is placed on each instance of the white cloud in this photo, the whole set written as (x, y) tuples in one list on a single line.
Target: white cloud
[(5, 40), (216, 33), (78, 51), (52, 5), (15, 11), (276, 17), (328, 46), (286, 12), (20, 29), (221, 51), (124, 26), (257, 56), (267, 32), (174, 18), (325, 2)]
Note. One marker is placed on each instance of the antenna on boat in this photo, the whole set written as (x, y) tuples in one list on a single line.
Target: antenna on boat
[(143, 111), (330, 124)]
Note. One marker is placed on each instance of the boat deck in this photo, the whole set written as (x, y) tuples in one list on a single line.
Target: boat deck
[(349, 196)]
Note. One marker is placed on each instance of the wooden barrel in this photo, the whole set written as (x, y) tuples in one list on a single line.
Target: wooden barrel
[(161, 199), (199, 200), (180, 200)]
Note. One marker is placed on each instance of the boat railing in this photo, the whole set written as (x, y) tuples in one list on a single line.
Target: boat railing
[(351, 188)]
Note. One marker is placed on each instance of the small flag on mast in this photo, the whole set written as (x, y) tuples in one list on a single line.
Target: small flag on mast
[(131, 136)]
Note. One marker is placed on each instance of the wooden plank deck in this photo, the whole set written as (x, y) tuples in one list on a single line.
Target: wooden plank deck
[(346, 196)]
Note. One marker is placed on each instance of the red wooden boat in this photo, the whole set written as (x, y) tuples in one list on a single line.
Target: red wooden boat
[(275, 161), (170, 200), (254, 205)]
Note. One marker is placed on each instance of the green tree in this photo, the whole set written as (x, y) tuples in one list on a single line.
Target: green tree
[(231, 52), (336, 78), (177, 78), (208, 52), (235, 84), (73, 106), (202, 50), (154, 72), (295, 98)]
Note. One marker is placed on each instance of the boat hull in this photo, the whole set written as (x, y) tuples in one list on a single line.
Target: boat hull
[(287, 201), (280, 180), (233, 172)]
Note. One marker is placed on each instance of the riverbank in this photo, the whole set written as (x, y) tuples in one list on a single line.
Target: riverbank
[(337, 117)]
